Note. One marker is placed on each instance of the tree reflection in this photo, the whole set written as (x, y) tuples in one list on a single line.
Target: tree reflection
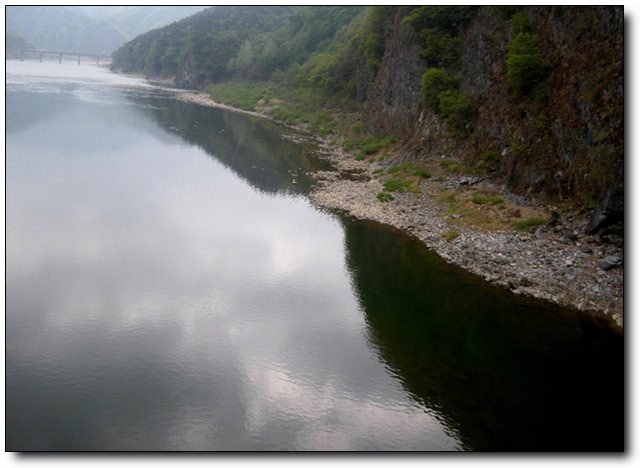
[(503, 373), (253, 148)]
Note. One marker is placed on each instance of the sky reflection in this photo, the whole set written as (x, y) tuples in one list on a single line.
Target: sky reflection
[(157, 301)]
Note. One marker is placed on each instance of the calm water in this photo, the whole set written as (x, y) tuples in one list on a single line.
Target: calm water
[(169, 287)]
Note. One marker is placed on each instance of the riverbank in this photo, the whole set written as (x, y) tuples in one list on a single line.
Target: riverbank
[(466, 220)]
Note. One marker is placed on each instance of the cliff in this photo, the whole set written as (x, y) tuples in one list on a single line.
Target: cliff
[(563, 142)]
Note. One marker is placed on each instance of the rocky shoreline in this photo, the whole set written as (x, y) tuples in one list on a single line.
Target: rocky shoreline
[(555, 261)]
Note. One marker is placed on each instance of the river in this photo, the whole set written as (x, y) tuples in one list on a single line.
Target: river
[(169, 286)]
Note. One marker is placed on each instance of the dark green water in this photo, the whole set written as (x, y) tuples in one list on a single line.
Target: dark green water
[(169, 287)]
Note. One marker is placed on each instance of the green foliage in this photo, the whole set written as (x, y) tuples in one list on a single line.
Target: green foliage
[(439, 27), (478, 199), (410, 169), (520, 23), (370, 145), (451, 235), (526, 68), (421, 172), (488, 200), (241, 95), (397, 185), (284, 114), (449, 19), (434, 82), (440, 50), (456, 107), (523, 44), (374, 49), (527, 224), (385, 197), (490, 156), (403, 167), (213, 41)]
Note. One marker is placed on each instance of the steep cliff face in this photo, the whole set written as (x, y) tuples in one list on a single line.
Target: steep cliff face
[(391, 97), (564, 141)]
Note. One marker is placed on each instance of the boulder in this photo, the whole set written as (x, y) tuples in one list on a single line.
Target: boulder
[(610, 262), (609, 210)]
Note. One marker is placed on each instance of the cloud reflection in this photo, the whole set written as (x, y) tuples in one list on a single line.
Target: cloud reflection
[(184, 309)]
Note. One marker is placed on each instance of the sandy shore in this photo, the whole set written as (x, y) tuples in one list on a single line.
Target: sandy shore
[(557, 263)]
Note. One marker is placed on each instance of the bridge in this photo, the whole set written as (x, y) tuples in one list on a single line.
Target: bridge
[(42, 53)]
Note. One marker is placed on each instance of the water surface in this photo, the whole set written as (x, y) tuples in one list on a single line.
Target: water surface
[(170, 287)]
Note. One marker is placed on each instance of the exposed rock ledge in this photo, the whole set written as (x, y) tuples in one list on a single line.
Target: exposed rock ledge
[(546, 264)]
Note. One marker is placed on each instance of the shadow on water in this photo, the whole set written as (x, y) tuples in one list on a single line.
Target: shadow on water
[(253, 148), (502, 372)]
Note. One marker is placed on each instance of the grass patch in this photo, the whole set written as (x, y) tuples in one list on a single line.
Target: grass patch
[(451, 165), (370, 145), (451, 235), (401, 168), (397, 185), (478, 199), (240, 95), (284, 114), (490, 200), (421, 172), (527, 224), (385, 197), (493, 200)]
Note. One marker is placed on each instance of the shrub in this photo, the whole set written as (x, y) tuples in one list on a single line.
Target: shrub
[(456, 107), (434, 82), (440, 49), (520, 23), (526, 68)]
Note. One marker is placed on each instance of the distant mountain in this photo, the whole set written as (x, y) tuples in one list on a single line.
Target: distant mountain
[(63, 29), (88, 29), (13, 41), (134, 20)]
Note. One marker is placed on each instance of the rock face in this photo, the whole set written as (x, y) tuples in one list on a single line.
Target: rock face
[(563, 141), (189, 76), (391, 98), (608, 211)]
